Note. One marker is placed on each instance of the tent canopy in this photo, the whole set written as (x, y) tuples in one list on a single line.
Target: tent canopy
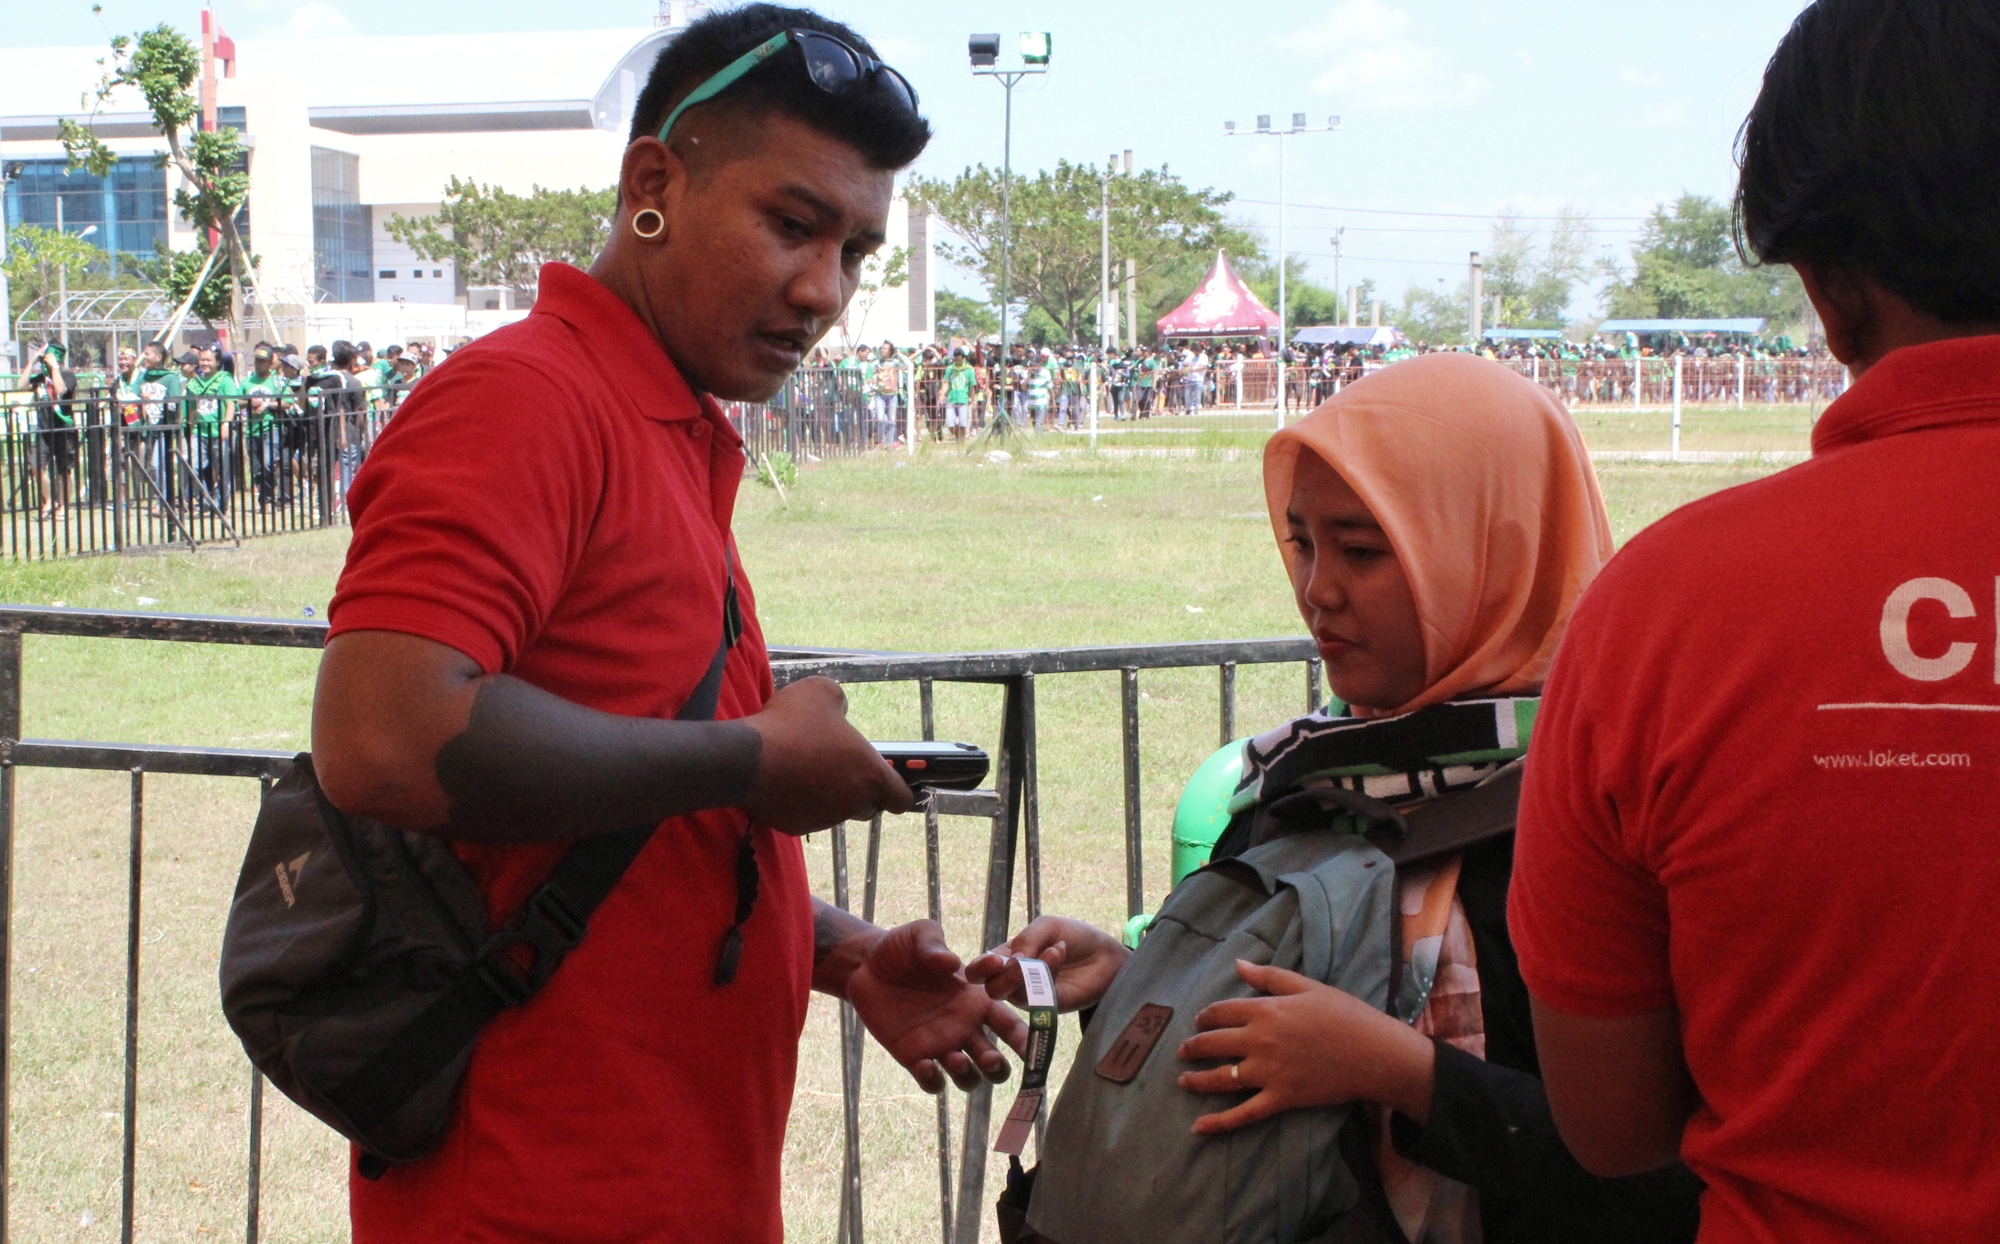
[(1347, 335), (1221, 306), (1509, 334), (1682, 326)]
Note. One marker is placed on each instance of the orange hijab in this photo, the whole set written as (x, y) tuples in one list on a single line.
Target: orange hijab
[(1482, 484)]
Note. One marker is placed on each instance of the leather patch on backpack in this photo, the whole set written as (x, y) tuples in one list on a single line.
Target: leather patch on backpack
[(1126, 1055)]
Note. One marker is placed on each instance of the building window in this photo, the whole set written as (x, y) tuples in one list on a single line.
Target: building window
[(128, 206), (437, 274), (343, 247), (387, 274), (416, 273)]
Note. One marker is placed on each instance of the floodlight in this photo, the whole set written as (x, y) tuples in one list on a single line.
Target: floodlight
[(1229, 127), (1264, 123), (1333, 123), (1298, 120), (984, 49), (1035, 46)]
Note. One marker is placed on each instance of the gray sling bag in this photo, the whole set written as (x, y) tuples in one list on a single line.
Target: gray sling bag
[(357, 966)]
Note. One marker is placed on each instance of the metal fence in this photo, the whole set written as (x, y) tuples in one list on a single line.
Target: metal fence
[(96, 474), (1011, 809), (832, 411)]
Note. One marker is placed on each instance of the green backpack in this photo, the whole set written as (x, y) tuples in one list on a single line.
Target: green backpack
[(1305, 880)]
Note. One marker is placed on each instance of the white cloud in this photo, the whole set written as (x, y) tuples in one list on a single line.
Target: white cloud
[(1373, 63), (315, 19)]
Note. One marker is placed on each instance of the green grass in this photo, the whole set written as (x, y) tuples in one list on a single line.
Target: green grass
[(948, 553)]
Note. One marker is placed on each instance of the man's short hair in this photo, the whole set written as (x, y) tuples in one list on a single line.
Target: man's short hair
[(315, 352), (344, 354), (1874, 148), (393, 352), (872, 121)]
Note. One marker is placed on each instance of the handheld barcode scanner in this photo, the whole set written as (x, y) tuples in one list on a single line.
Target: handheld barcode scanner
[(936, 766)]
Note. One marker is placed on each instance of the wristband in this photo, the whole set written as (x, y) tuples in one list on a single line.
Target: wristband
[(1040, 986)]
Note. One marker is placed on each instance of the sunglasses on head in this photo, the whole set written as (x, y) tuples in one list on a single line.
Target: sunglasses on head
[(833, 66)]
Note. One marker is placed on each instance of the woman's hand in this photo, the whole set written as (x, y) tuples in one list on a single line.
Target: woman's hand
[(1083, 957), (1306, 1045)]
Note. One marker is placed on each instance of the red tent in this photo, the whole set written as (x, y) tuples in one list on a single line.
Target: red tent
[(1221, 306)]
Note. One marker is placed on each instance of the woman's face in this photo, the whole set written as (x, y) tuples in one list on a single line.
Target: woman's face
[(1352, 591)]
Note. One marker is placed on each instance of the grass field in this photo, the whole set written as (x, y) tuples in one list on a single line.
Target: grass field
[(947, 553)]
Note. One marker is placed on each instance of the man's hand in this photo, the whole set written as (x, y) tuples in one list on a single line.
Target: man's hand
[(1308, 1044), (814, 769), (909, 991), (1083, 957)]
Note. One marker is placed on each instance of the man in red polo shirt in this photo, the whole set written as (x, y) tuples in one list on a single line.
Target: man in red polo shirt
[(1759, 852), (540, 577)]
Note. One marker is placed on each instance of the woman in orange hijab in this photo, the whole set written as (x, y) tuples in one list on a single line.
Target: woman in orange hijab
[(1439, 521)]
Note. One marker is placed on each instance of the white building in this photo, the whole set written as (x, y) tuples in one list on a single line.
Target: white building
[(346, 133)]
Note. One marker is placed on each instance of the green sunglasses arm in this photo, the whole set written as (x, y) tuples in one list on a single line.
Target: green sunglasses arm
[(725, 77)]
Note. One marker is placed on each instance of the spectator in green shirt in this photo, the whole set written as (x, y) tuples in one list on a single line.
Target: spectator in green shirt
[(212, 394), (265, 393), (958, 384)]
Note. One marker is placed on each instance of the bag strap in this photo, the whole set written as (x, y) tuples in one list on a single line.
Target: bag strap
[(549, 925), (1455, 822)]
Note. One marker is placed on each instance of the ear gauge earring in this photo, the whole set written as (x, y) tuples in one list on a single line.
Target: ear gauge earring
[(645, 228)]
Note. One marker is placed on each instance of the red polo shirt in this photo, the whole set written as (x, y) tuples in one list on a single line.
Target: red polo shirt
[(554, 502), (1762, 792)]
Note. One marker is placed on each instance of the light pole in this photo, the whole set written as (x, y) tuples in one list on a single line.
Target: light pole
[(1264, 130), (984, 51), (62, 278), (1335, 239)]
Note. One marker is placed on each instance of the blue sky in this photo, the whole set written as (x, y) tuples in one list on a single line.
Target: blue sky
[(1456, 108)]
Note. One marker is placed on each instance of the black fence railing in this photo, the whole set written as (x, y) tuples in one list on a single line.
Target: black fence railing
[(1013, 863), (97, 474)]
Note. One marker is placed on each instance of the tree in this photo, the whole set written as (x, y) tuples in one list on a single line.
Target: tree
[(959, 316), (213, 164), (1435, 317), (37, 259), (1685, 266), (1534, 278), (176, 273), (497, 238), (890, 271), (1167, 229)]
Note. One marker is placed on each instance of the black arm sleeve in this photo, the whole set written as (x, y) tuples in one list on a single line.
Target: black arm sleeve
[(1490, 1125), (1490, 1128)]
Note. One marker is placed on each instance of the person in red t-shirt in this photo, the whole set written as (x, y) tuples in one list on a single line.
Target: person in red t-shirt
[(515, 633), (1756, 871)]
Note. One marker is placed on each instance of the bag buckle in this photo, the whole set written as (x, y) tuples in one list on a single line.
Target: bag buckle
[(549, 928)]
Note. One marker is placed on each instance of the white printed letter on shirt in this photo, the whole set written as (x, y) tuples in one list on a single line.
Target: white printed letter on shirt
[(1896, 629)]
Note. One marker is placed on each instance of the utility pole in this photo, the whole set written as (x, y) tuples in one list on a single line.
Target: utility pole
[(1285, 313), (1107, 310), (1478, 297), (1337, 233), (984, 51)]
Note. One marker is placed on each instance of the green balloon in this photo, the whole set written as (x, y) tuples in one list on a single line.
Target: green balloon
[(1203, 812)]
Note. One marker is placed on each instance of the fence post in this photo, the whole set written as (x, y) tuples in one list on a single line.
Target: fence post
[(10, 734), (1638, 380), (1674, 450), (909, 405), (1135, 880), (1011, 778), (1283, 380), (117, 468), (1739, 382), (1096, 391)]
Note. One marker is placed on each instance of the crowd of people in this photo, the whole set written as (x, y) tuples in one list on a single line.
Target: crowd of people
[(864, 393), (210, 421)]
